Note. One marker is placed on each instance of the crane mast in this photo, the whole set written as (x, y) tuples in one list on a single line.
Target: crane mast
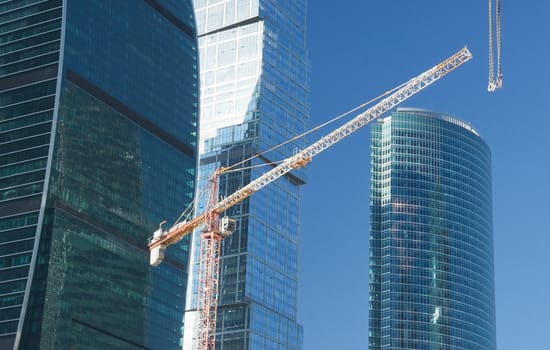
[(216, 229)]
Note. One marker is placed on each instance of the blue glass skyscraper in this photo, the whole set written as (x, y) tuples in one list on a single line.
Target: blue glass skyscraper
[(431, 236), (98, 130), (254, 69)]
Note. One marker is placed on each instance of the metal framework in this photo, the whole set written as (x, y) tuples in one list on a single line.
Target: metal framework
[(207, 303), (209, 271), (211, 238), (302, 158)]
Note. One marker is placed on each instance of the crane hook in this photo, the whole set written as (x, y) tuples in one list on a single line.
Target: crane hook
[(493, 85)]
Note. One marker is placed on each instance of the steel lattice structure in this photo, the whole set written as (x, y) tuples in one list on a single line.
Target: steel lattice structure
[(211, 237)]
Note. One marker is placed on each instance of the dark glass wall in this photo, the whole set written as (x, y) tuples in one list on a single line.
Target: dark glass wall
[(123, 159), (431, 239), (30, 32)]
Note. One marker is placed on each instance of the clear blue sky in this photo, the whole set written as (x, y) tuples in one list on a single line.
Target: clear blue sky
[(360, 49)]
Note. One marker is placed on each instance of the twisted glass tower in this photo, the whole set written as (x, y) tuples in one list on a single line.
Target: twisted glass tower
[(254, 73), (431, 276), (98, 121)]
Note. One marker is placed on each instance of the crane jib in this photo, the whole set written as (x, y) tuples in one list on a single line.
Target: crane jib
[(407, 90)]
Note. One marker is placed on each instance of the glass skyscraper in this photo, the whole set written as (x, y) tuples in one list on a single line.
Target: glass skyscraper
[(254, 69), (431, 274), (98, 135)]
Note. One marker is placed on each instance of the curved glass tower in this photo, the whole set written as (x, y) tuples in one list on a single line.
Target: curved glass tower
[(98, 135), (431, 272), (254, 70)]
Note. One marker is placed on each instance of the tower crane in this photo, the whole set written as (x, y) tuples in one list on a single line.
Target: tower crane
[(494, 84), (216, 228)]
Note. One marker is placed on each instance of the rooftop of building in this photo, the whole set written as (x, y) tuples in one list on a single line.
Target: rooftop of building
[(443, 116)]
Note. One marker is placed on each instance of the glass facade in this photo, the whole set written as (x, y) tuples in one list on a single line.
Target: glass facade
[(431, 273), (254, 72), (98, 144)]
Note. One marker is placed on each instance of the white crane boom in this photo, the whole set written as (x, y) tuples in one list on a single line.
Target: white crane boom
[(163, 239), (305, 156)]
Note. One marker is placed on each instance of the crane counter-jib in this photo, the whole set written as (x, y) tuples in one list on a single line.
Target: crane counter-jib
[(163, 239)]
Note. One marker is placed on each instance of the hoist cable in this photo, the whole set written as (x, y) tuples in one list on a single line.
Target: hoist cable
[(363, 105)]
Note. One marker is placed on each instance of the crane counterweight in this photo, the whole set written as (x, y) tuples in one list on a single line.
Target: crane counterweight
[(157, 252), (157, 255)]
